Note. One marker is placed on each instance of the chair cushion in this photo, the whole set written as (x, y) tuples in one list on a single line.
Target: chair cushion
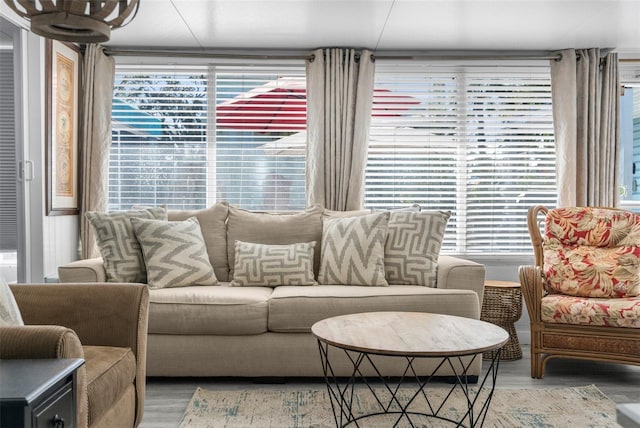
[(216, 310), (616, 312), (295, 309), (110, 370), (592, 252)]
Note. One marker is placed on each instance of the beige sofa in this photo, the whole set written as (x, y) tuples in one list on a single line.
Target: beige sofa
[(262, 331)]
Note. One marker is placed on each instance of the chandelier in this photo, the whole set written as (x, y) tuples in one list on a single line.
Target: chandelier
[(80, 21)]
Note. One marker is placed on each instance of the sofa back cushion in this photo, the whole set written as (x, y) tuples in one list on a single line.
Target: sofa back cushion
[(212, 224), (273, 228), (592, 252)]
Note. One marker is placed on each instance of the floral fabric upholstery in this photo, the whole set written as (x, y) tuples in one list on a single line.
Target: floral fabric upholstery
[(592, 252), (617, 312)]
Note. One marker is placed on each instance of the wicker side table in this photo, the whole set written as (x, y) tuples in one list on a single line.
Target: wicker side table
[(502, 305)]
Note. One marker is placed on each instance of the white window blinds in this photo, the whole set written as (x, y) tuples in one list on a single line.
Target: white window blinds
[(477, 141), (189, 136), (261, 119)]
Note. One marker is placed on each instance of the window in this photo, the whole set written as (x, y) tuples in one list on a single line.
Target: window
[(187, 136), (477, 141), (629, 178)]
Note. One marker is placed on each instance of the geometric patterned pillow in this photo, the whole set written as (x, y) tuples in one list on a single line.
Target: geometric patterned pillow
[(265, 265), (174, 252), (353, 250), (118, 245), (413, 246)]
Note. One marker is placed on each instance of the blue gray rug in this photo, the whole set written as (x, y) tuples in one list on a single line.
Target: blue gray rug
[(582, 407)]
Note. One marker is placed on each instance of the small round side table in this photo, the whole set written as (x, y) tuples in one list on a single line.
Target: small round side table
[(502, 306)]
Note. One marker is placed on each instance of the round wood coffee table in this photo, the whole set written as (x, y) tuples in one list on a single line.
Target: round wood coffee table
[(408, 336)]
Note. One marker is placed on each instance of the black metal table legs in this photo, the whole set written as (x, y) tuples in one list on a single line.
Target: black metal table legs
[(409, 400)]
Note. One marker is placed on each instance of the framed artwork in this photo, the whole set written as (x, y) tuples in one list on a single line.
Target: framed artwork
[(62, 129)]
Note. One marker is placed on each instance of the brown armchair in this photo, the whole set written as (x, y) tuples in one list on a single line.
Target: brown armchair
[(582, 293), (103, 323)]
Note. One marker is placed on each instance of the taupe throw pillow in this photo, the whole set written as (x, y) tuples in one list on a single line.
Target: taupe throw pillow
[(353, 250), (174, 252), (413, 246), (264, 265), (118, 245)]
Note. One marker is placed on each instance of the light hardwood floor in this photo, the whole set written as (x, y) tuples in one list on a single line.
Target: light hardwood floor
[(167, 398)]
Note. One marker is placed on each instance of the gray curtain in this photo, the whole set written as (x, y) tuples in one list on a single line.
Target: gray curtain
[(99, 71), (586, 107), (339, 97)]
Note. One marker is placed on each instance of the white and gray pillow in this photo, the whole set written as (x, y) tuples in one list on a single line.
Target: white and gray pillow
[(118, 245), (353, 250), (174, 252), (9, 311), (413, 246), (266, 265)]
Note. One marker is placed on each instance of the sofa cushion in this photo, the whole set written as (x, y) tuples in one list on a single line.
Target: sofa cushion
[(616, 312), (413, 246), (214, 231), (110, 370), (273, 228), (353, 250), (296, 309), (219, 309), (592, 252), (267, 265), (120, 250), (174, 253)]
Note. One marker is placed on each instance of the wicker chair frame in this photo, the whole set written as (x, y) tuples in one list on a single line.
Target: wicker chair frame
[(552, 340)]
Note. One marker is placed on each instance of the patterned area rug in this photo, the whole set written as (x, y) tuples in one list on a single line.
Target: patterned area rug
[(584, 407)]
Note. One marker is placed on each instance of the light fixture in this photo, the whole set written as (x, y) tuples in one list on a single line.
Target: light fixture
[(80, 21)]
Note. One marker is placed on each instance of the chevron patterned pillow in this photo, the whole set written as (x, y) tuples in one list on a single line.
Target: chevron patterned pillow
[(174, 252), (118, 245), (264, 265), (413, 246), (353, 250)]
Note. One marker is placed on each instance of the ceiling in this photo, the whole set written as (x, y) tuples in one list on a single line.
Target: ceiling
[(384, 24)]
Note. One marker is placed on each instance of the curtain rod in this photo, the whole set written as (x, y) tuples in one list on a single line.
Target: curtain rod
[(435, 55)]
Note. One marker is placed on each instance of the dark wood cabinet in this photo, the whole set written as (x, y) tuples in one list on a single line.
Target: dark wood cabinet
[(38, 393)]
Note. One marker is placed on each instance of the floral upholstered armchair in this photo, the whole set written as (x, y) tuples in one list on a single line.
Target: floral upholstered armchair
[(583, 294)]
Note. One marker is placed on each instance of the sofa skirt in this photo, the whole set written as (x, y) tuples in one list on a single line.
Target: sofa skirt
[(265, 355)]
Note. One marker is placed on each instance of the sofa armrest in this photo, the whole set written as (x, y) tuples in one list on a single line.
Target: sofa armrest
[(454, 272), (87, 270), (101, 314)]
